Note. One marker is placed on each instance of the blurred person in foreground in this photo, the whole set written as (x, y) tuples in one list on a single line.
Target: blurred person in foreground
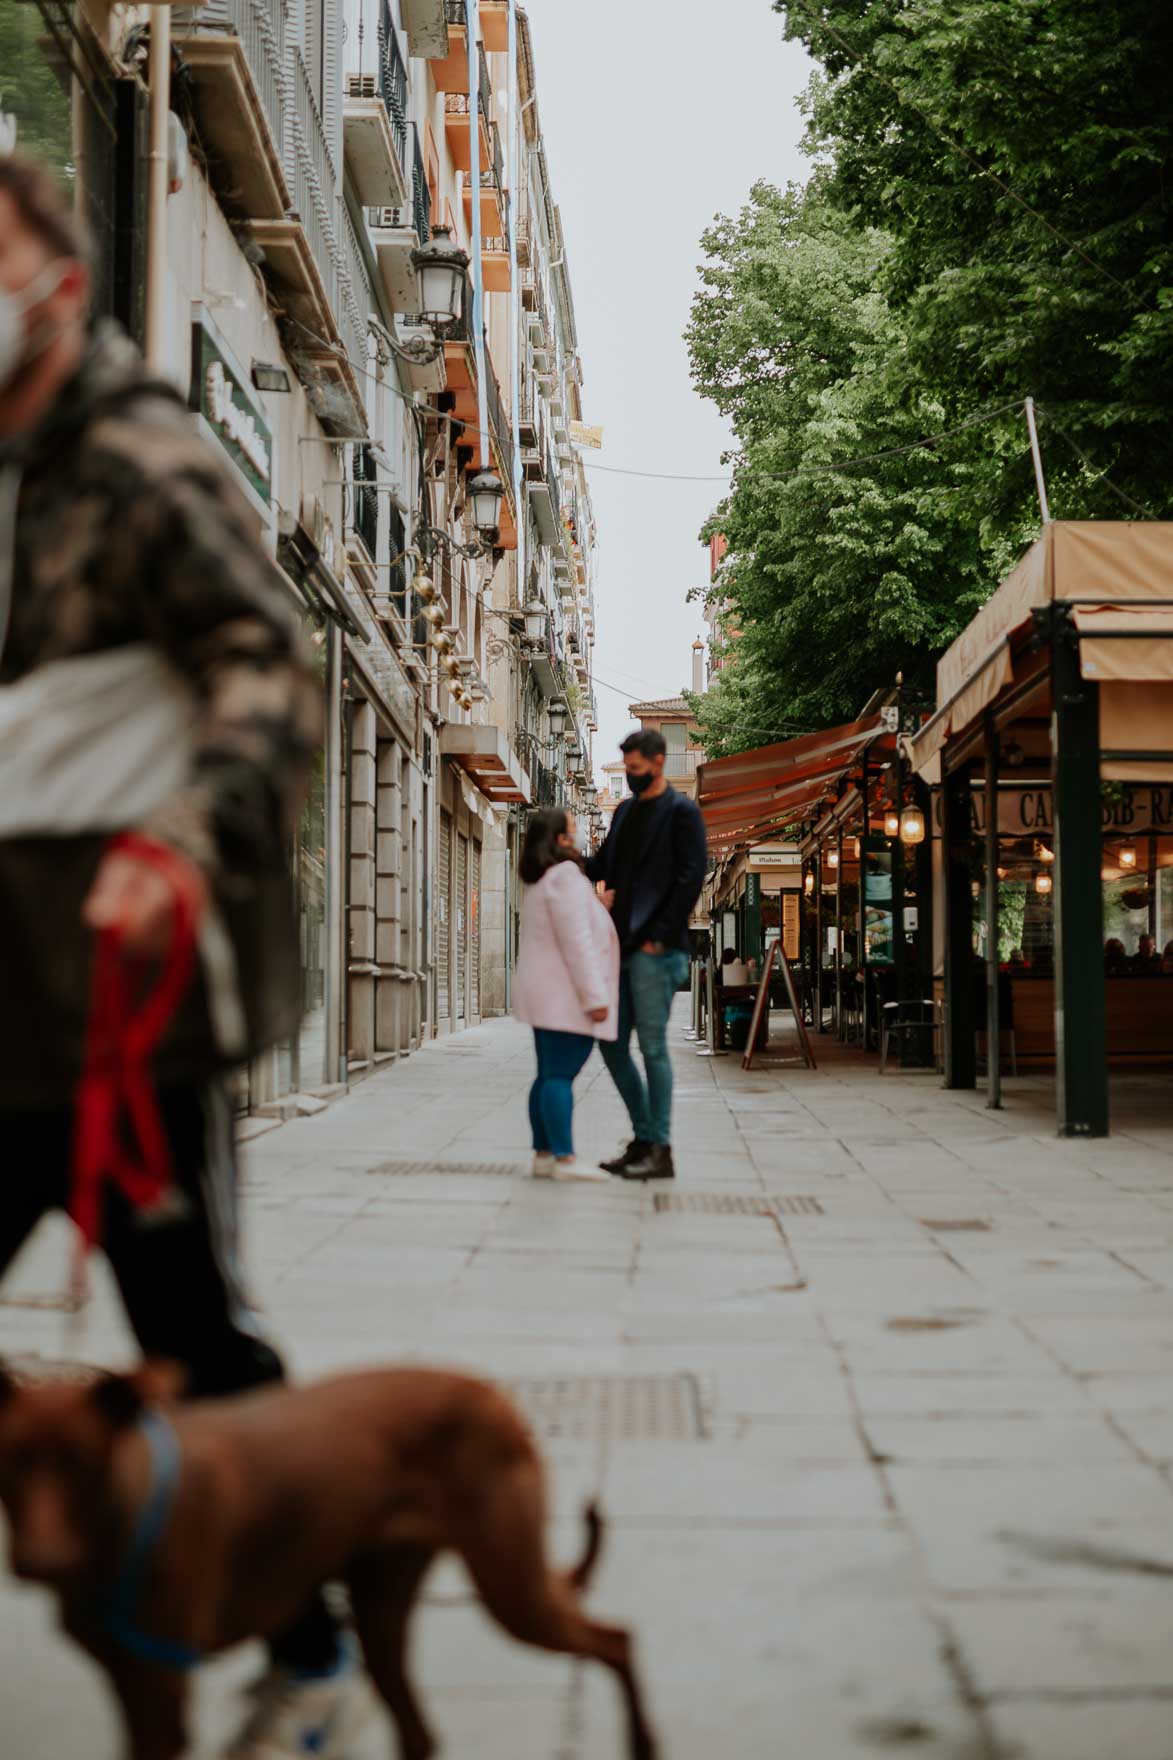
[(567, 984), (651, 868), (151, 683)]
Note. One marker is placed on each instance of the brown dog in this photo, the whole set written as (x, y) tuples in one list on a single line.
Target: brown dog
[(169, 1538)]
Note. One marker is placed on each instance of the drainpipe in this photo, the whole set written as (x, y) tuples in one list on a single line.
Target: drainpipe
[(478, 279), (513, 171), (158, 179)]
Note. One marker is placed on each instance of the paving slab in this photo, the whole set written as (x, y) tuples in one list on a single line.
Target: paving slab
[(919, 1494)]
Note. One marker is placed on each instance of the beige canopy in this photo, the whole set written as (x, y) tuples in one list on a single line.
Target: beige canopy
[(1118, 579)]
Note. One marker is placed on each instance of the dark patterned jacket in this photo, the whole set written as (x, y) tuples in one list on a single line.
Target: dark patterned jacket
[(128, 530)]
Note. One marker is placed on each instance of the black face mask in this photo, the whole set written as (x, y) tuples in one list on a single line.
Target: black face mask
[(637, 784)]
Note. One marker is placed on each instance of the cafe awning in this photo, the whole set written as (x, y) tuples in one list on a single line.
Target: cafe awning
[(1117, 579), (754, 795)]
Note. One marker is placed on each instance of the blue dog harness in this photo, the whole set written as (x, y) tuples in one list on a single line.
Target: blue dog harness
[(117, 1612)]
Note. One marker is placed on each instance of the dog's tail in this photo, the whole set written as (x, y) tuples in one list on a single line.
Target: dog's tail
[(581, 1575)]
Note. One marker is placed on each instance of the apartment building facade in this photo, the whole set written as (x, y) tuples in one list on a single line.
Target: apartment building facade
[(315, 149)]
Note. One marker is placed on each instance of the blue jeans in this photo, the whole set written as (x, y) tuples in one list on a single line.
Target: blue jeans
[(551, 1099), (647, 984)]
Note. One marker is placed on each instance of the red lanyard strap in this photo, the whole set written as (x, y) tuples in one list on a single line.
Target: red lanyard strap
[(118, 1135)]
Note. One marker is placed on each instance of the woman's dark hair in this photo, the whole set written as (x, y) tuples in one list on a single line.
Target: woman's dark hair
[(541, 848)]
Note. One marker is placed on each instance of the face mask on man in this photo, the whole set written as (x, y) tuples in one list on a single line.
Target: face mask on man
[(637, 784), (19, 346)]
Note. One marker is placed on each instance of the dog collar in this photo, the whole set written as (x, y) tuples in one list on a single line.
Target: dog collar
[(117, 1612)]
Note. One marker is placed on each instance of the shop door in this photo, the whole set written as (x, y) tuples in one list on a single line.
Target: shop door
[(474, 934), (461, 907), (443, 871)]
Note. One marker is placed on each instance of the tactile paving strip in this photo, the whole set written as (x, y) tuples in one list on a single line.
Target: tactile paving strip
[(612, 1408), (736, 1204)]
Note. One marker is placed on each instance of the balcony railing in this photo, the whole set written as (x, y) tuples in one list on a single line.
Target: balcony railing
[(393, 81), (366, 501), (261, 29), (682, 763), (421, 195)]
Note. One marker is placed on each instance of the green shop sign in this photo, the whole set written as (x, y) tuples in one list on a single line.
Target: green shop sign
[(221, 396)]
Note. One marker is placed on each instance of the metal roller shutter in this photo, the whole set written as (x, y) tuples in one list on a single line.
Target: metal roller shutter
[(443, 871), (461, 921), (474, 934)]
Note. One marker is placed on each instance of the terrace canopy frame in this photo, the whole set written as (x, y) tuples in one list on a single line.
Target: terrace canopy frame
[(1068, 665)]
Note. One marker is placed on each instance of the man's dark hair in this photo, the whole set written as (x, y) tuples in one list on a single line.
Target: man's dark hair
[(44, 205), (541, 849), (646, 741)]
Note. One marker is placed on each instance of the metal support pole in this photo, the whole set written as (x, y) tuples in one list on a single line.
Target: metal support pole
[(819, 940), (709, 1049), (1081, 1036), (960, 1051), (1037, 457), (839, 932), (694, 1000), (993, 1023), (159, 71)]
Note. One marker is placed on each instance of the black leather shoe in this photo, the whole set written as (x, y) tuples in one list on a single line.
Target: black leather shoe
[(634, 1151), (655, 1164)]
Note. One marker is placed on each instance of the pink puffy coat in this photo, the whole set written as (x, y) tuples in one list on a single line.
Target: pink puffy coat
[(568, 961)]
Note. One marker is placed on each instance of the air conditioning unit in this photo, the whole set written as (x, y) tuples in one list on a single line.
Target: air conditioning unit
[(362, 85)]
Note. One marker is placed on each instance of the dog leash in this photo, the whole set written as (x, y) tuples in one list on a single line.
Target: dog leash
[(119, 1137), (116, 1613)]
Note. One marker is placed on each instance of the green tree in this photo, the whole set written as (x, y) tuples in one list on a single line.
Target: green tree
[(835, 579), (1017, 153), (31, 92)]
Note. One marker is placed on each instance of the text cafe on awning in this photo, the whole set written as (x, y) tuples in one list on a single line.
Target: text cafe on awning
[(1057, 908)]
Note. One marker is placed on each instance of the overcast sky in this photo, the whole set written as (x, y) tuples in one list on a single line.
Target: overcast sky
[(658, 114)]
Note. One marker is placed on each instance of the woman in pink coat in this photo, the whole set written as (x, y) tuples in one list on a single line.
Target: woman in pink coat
[(566, 987)]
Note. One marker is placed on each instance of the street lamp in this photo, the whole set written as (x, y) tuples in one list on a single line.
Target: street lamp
[(912, 825), (441, 266), (535, 620), (891, 822), (556, 714), (486, 492)]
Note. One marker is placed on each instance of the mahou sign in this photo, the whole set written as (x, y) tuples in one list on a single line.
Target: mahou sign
[(1026, 812)]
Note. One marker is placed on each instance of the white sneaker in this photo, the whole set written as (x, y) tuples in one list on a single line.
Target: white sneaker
[(297, 1715), (579, 1170), (543, 1167)]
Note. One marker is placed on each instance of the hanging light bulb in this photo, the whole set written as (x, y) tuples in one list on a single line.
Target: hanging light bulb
[(891, 822), (832, 857), (1044, 883), (857, 846), (423, 586), (1045, 852), (808, 884), (442, 642), (1128, 855), (434, 615), (912, 825)]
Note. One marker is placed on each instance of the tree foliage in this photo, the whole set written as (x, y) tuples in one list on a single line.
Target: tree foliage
[(905, 292)]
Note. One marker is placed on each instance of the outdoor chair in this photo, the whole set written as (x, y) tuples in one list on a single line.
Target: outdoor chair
[(904, 1020)]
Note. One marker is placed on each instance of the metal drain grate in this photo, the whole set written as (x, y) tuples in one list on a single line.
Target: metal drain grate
[(612, 1408), (736, 1204), (956, 1225), (487, 1169)]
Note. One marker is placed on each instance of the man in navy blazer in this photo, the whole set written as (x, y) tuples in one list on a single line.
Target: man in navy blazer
[(650, 868)]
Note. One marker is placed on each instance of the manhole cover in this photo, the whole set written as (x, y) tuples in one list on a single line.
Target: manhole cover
[(631, 1408), (736, 1204), (490, 1169), (957, 1225)]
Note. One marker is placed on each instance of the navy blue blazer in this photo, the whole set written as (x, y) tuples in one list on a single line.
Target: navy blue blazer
[(671, 871)]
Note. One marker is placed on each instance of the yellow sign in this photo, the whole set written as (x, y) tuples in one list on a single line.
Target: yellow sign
[(584, 435)]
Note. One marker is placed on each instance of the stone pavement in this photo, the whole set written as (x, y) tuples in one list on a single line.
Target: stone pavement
[(880, 1411)]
